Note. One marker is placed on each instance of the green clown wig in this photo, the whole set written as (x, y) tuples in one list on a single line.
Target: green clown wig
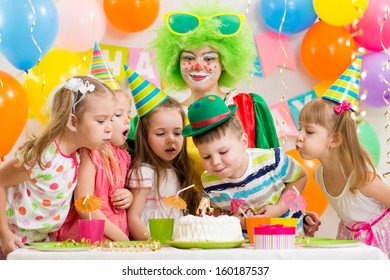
[(237, 53)]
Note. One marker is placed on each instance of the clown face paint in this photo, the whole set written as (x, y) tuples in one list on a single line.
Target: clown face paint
[(201, 69)]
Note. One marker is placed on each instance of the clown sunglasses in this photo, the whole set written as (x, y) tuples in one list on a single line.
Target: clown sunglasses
[(180, 23)]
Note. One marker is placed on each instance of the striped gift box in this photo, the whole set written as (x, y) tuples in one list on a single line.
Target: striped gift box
[(274, 237)]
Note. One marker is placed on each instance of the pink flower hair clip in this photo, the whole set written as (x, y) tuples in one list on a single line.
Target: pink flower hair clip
[(343, 106)]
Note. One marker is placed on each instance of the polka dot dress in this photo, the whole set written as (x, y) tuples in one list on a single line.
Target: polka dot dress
[(40, 205)]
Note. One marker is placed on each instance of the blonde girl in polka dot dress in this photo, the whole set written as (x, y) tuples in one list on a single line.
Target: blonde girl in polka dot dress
[(36, 186)]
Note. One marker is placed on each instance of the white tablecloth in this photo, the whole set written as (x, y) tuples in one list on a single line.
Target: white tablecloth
[(246, 252)]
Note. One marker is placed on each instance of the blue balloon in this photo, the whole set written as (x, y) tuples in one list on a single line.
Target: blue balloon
[(299, 15), (21, 24)]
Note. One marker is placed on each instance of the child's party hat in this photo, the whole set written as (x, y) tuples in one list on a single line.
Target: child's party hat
[(100, 70), (346, 87), (145, 94)]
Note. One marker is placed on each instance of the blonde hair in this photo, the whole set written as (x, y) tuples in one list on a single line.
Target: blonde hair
[(110, 163), (321, 112), (232, 124), (61, 106), (182, 164)]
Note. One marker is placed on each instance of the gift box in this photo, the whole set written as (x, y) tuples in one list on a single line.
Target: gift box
[(255, 221), (274, 237)]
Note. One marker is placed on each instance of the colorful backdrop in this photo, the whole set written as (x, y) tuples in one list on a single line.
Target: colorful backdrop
[(303, 46)]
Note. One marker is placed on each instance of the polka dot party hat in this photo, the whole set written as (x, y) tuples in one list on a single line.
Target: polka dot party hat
[(145, 94), (206, 113), (100, 70), (346, 87)]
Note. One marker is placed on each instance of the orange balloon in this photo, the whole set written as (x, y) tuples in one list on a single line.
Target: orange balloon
[(321, 87), (315, 199), (326, 50), (131, 15), (13, 111)]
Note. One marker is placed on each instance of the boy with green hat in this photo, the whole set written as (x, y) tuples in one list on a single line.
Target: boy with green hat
[(233, 171)]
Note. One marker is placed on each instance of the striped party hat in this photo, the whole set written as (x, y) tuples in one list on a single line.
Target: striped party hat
[(100, 70), (346, 87), (145, 94)]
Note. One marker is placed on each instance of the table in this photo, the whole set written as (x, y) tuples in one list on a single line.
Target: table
[(359, 252)]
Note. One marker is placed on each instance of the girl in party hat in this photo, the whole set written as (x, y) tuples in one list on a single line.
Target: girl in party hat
[(103, 172), (37, 184), (347, 175), (161, 166)]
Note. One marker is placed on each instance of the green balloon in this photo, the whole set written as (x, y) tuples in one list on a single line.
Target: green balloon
[(369, 140)]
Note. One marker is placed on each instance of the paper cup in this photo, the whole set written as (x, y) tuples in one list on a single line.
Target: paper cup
[(161, 229), (91, 229)]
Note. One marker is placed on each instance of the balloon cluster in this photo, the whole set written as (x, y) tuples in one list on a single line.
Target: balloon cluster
[(28, 30), (344, 28)]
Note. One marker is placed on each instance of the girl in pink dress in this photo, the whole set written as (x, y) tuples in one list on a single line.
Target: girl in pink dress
[(36, 186), (103, 173)]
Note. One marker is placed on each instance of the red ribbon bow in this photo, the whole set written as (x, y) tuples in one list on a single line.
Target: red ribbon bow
[(343, 106)]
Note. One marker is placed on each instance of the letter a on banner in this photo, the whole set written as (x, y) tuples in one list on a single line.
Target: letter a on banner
[(141, 61)]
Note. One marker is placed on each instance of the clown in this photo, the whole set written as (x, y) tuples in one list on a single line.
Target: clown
[(209, 51)]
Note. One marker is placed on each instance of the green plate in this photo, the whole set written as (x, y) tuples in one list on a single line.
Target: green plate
[(206, 244), (325, 242), (58, 246)]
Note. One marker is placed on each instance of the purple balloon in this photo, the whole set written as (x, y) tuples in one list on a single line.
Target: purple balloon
[(373, 79)]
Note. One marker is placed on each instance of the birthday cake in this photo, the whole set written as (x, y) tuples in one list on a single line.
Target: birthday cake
[(207, 228)]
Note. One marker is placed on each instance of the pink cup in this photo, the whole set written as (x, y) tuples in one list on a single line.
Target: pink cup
[(91, 229)]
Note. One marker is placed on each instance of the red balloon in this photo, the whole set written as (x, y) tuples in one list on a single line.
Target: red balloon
[(13, 111), (327, 50), (315, 199), (131, 15)]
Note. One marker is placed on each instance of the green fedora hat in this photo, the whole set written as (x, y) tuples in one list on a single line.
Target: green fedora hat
[(207, 112)]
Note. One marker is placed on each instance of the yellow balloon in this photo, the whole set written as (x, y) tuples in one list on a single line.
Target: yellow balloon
[(340, 12), (85, 58), (56, 67)]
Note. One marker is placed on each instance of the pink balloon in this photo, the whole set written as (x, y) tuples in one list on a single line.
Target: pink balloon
[(371, 23), (373, 79), (81, 24)]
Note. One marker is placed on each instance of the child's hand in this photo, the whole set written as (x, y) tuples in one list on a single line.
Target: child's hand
[(9, 242), (122, 199), (311, 223), (248, 212), (273, 211)]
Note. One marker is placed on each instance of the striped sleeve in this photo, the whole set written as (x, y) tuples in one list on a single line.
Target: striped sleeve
[(287, 167)]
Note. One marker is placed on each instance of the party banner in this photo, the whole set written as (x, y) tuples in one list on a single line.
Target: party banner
[(296, 104), (258, 72), (140, 61), (115, 57), (274, 51), (283, 120)]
